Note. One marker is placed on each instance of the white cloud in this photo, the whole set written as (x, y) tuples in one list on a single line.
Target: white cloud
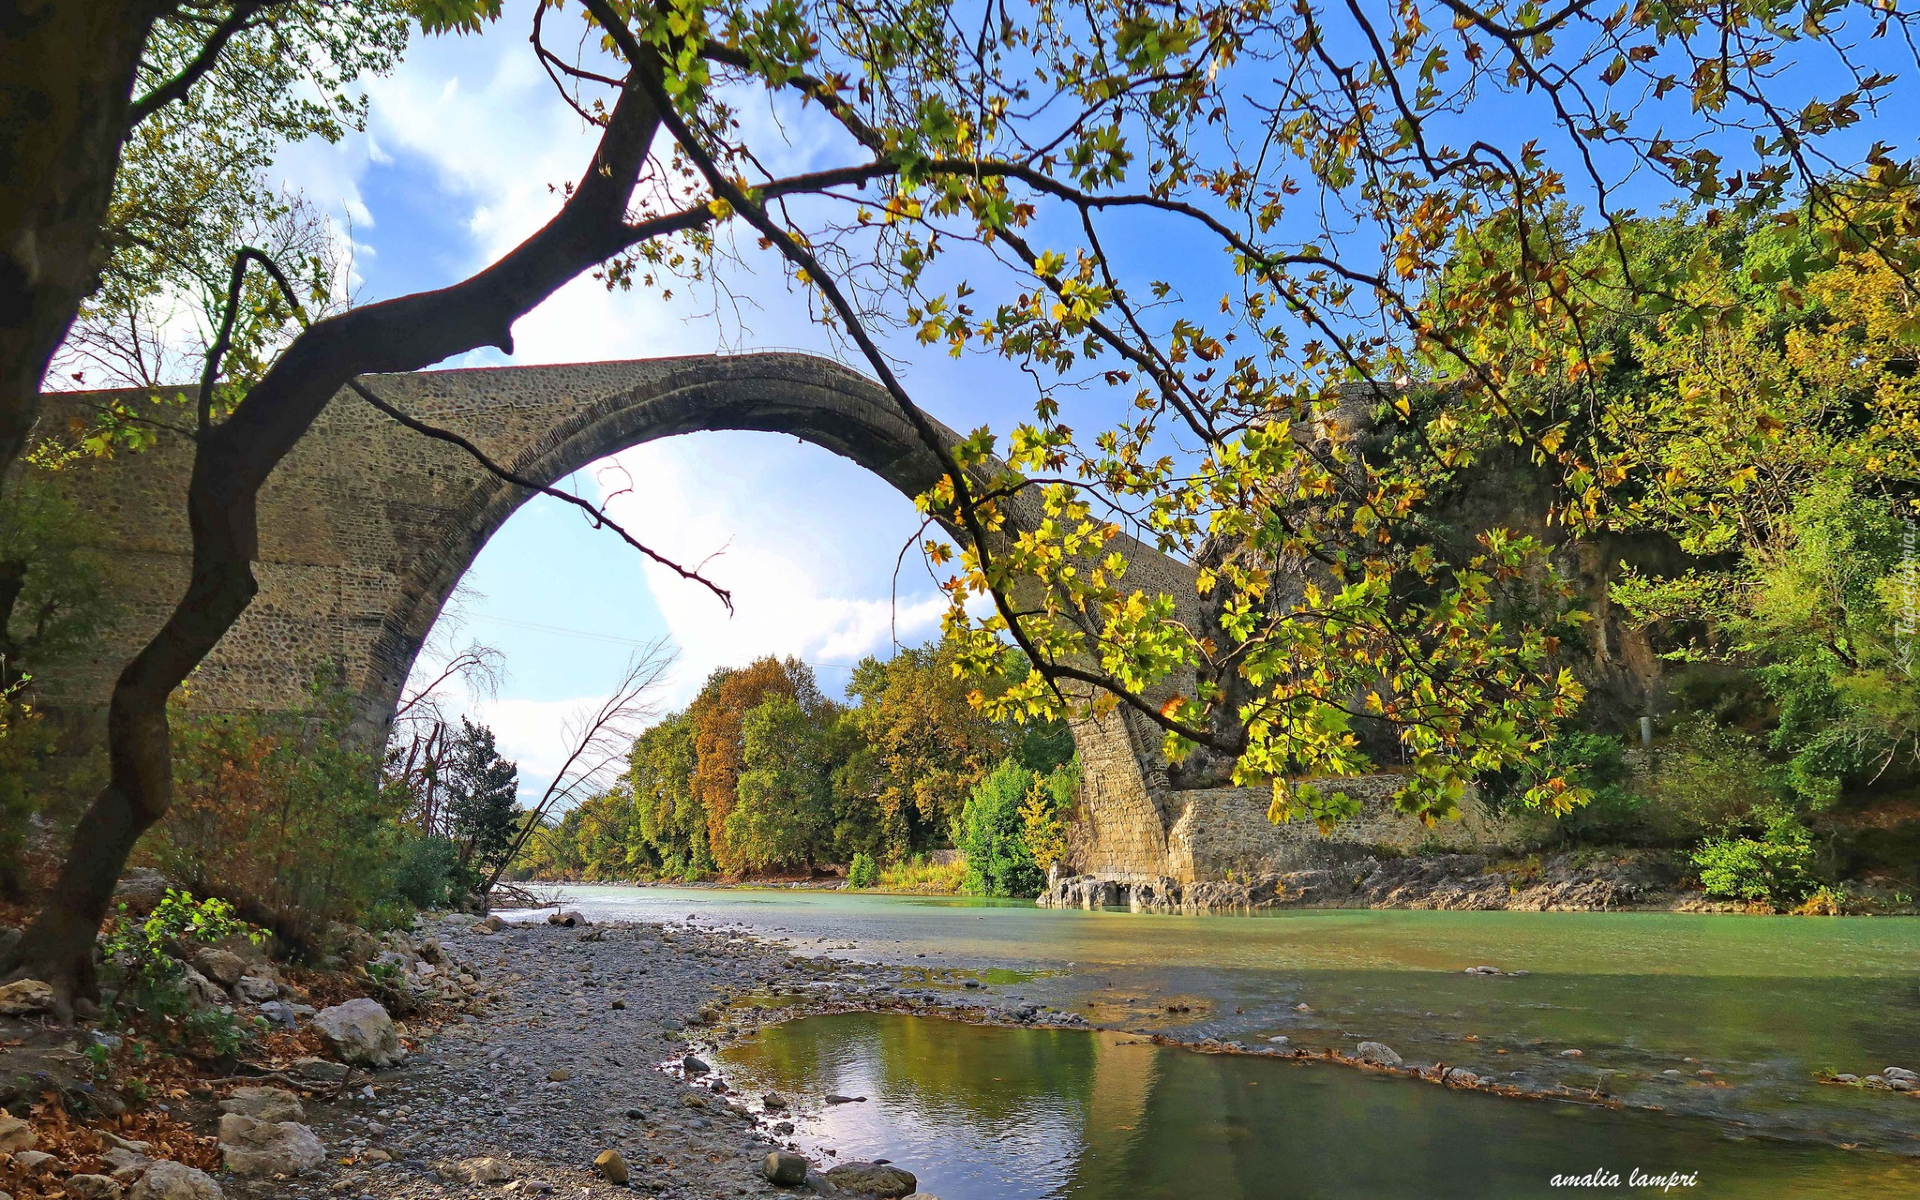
[(809, 570)]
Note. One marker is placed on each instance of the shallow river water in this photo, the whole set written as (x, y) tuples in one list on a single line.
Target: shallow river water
[(1721, 1022)]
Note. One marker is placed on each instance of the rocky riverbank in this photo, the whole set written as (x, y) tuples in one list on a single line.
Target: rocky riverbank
[(1569, 882), (545, 1055)]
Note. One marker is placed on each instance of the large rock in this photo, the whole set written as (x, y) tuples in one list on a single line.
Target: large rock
[(256, 989), (264, 1104), (224, 967), (785, 1168), (254, 1147), (873, 1179), (141, 890), (168, 1180), (568, 919), (361, 1033), (24, 997), (203, 992), (1378, 1053)]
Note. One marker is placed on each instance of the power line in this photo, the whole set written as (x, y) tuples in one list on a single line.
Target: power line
[(610, 638)]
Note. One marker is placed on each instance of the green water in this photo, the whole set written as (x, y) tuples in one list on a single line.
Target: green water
[(1009, 1114), (1723, 1023)]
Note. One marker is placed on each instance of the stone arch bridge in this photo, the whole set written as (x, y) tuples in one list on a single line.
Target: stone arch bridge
[(366, 527)]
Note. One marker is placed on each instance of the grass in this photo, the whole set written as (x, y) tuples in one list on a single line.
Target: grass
[(918, 876)]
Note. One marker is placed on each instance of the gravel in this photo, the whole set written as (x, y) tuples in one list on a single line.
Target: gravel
[(552, 1072)]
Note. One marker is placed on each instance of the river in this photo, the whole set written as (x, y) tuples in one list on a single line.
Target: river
[(1722, 1023)]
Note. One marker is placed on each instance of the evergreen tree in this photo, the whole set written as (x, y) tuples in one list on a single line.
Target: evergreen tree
[(482, 797)]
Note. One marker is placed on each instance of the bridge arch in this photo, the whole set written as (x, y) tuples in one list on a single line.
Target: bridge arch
[(366, 528)]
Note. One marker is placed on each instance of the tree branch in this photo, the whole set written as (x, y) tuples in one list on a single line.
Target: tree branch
[(594, 513), (177, 88)]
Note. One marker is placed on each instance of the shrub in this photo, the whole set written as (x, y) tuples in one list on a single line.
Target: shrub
[(285, 817), (427, 873), (1774, 868), (1044, 814), (922, 876), (1705, 778), (144, 962), (862, 872), (992, 835)]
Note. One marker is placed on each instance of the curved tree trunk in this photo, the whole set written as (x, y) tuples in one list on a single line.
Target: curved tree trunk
[(66, 82), (232, 462)]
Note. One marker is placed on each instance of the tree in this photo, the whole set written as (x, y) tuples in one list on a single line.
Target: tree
[(784, 811), (992, 834), (922, 743), (670, 823), (718, 718), (598, 740), (135, 132), (483, 799), (979, 174)]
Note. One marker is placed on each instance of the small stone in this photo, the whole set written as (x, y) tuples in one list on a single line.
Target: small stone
[(611, 1166), (320, 1069), (873, 1179), (264, 1104), (1892, 1073), (33, 1160), (256, 989), (1378, 1053), (1483, 970), (559, 1075), (168, 1180), (619, 1005), (568, 919), (1303, 1007), (1573, 1054), (785, 1168), (16, 1135), (773, 1100), (694, 1066), (482, 1171), (375, 1155), (93, 1187), (1845, 1078), (832, 1099), (1280, 1040), (1459, 1077), (253, 1147), (24, 997), (125, 1164)]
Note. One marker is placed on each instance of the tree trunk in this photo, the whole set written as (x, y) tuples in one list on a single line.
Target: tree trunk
[(231, 464), (66, 83)]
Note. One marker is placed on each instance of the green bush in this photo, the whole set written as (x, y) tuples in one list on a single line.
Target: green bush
[(992, 835), (145, 969), (1774, 868), (427, 873), (284, 816), (863, 872)]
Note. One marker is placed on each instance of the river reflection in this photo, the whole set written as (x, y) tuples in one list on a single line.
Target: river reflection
[(1728, 1018), (984, 1113)]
